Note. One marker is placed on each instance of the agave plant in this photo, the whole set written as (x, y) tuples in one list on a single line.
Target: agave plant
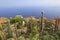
[(2, 35)]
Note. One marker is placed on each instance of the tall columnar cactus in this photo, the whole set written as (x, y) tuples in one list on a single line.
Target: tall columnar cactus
[(42, 21), (42, 25)]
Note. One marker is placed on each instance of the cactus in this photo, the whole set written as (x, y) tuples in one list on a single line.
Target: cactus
[(42, 25), (42, 21)]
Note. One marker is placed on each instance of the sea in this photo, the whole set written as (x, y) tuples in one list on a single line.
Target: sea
[(49, 12)]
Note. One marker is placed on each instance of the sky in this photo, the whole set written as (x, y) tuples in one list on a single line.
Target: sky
[(22, 3)]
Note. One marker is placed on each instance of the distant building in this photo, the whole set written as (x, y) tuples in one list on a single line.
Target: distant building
[(38, 20), (18, 16), (27, 19), (45, 19), (53, 21), (31, 17), (3, 19), (56, 22)]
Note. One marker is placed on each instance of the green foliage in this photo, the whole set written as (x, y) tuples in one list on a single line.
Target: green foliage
[(35, 37), (46, 37), (29, 31), (14, 20), (18, 19), (35, 29), (58, 31), (21, 38), (48, 25)]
